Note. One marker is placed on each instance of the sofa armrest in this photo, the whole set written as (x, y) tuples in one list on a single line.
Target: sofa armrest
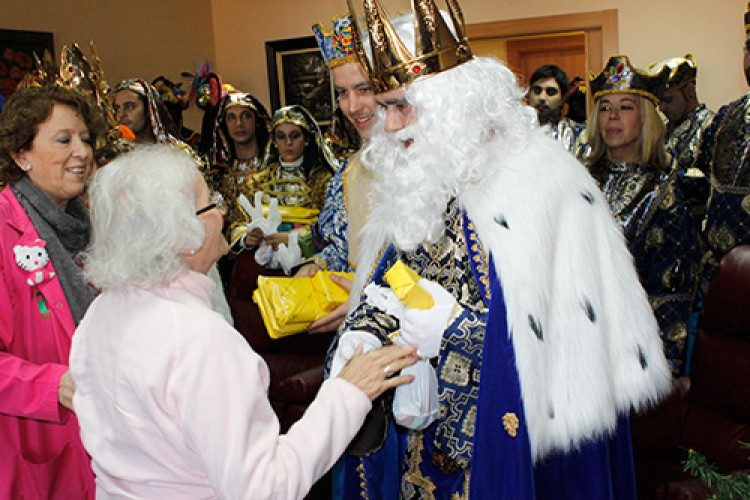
[(301, 387), (658, 432)]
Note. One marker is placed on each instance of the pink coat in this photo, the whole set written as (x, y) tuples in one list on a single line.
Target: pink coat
[(41, 452), (173, 403)]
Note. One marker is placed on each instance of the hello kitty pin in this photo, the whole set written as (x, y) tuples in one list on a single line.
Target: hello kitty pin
[(33, 258)]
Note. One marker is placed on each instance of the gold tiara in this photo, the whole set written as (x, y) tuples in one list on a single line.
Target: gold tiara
[(436, 48)]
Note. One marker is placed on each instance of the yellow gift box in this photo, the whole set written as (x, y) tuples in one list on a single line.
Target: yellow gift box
[(296, 215), (289, 305)]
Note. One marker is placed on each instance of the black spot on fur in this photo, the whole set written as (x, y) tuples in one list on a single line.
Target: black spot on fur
[(551, 413), (588, 197), (589, 310), (536, 327), (501, 220), (642, 357)]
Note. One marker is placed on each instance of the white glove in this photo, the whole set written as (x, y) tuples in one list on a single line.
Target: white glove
[(289, 256), (264, 255), (348, 344), (419, 327), (268, 224)]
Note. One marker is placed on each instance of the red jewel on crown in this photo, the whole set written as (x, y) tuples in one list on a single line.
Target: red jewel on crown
[(416, 70)]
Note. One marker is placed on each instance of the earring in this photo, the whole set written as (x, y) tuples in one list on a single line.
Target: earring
[(26, 166)]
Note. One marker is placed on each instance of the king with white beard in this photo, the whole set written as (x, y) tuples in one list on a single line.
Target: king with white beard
[(542, 339)]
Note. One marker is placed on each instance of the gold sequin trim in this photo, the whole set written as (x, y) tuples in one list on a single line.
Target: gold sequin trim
[(745, 204)]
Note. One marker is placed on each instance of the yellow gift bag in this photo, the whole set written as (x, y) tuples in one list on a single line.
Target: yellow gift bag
[(289, 305)]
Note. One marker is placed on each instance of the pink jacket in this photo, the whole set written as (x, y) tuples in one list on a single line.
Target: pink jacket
[(173, 404), (41, 452)]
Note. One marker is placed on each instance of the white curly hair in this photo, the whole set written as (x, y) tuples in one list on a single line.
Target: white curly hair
[(143, 218)]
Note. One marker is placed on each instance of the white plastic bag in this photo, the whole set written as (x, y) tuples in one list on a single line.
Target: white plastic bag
[(415, 405)]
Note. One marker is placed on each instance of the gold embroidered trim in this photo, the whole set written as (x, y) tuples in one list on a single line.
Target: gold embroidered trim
[(511, 423)]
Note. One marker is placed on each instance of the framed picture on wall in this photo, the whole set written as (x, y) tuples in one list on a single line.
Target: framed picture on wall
[(297, 74), (17, 49)]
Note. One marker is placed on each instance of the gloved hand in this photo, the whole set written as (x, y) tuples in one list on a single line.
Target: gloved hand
[(347, 347), (289, 256), (420, 327), (267, 223)]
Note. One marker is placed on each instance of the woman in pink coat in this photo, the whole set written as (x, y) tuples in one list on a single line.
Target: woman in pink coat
[(46, 137), (172, 401)]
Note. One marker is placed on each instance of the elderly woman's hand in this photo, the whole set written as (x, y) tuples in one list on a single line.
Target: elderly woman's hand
[(372, 372), (66, 390)]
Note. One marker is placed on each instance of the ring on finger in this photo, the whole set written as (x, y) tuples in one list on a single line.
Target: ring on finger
[(387, 370)]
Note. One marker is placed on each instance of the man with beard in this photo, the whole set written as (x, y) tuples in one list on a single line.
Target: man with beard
[(687, 119), (540, 339), (725, 155), (549, 86), (138, 106)]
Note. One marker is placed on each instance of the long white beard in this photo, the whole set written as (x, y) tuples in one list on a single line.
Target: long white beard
[(414, 184)]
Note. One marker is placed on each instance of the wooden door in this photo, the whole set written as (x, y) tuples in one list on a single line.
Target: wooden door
[(566, 50), (526, 44)]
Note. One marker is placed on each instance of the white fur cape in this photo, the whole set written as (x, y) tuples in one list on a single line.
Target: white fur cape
[(566, 273)]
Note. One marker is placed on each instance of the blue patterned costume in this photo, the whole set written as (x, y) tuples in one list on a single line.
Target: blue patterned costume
[(464, 453), (336, 235), (724, 153), (330, 231)]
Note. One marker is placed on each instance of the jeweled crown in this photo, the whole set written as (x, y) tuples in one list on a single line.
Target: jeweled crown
[(436, 49), (619, 76), (682, 70), (338, 46), (75, 72)]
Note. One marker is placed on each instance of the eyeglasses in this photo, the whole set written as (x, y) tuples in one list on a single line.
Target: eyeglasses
[(217, 202)]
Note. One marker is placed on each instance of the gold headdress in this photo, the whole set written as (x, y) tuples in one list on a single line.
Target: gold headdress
[(75, 72), (747, 18), (298, 115), (619, 76), (436, 49), (682, 70), (221, 152)]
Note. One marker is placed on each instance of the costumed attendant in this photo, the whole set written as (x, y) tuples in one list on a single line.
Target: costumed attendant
[(296, 169), (538, 339), (172, 401), (629, 161), (240, 136), (725, 157), (46, 157), (139, 107)]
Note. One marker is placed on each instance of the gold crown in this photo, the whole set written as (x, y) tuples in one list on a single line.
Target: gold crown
[(75, 72), (682, 70), (436, 48)]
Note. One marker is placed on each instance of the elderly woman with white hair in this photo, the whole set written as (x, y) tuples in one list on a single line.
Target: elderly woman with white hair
[(171, 400)]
